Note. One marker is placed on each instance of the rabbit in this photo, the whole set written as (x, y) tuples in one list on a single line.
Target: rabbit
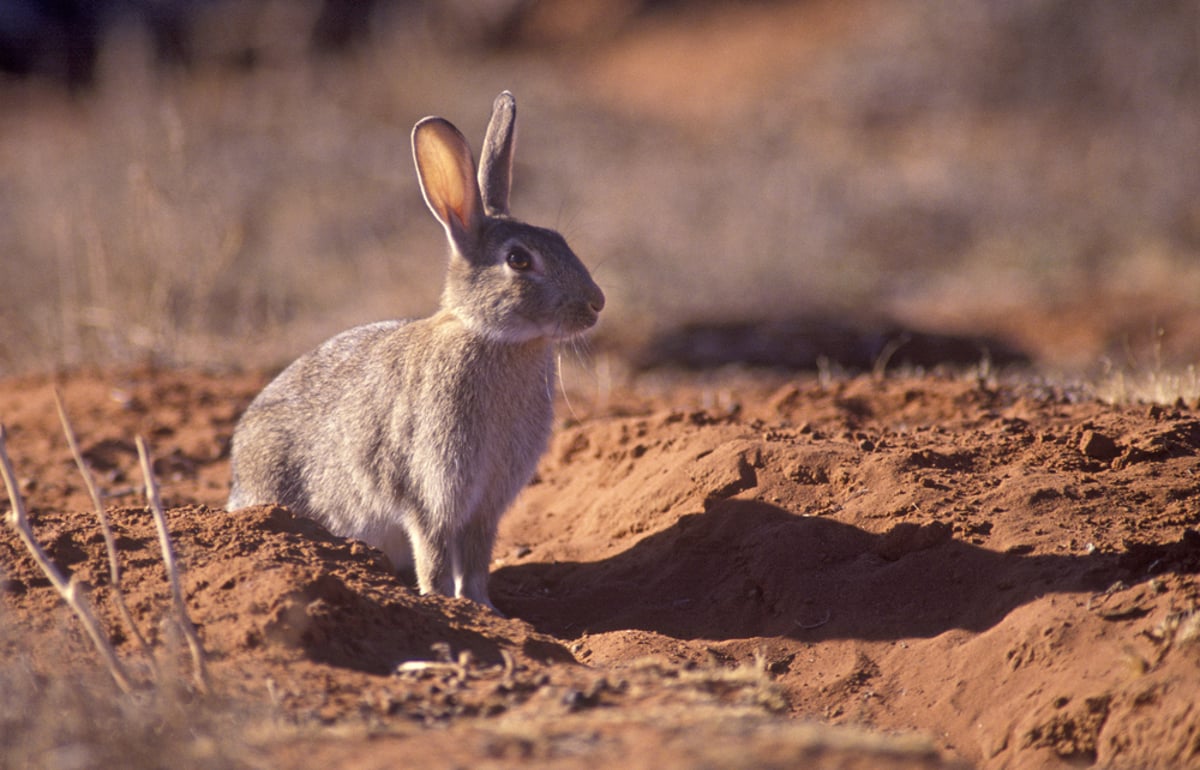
[(415, 436)]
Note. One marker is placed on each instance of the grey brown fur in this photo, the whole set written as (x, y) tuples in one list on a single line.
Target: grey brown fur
[(415, 436)]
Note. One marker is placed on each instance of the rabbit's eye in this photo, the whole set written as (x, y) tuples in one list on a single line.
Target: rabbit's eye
[(518, 259)]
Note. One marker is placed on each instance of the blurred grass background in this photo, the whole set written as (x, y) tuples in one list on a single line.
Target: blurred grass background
[(1026, 169)]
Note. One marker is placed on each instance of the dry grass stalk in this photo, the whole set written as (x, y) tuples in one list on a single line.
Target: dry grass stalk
[(109, 542), (199, 669), (68, 589)]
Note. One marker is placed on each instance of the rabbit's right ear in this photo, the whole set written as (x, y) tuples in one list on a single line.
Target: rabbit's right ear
[(446, 171), (496, 160)]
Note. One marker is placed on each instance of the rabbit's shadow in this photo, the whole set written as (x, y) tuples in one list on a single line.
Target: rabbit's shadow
[(745, 568)]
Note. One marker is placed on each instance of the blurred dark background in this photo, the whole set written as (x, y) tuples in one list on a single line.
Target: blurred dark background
[(226, 182)]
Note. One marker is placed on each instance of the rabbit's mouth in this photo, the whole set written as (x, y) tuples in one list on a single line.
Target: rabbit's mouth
[(563, 332), (518, 328), (577, 318)]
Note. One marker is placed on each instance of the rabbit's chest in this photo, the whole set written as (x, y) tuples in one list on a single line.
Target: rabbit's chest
[(477, 461), (505, 434), (480, 431)]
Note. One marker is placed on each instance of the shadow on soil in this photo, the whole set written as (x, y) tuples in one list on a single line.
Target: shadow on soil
[(811, 342), (745, 569)]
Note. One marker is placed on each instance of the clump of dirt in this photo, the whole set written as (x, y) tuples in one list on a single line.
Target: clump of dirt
[(743, 571)]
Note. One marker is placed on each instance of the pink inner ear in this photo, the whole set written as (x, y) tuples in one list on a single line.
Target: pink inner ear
[(461, 206), (448, 174), (459, 219), (442, 181)]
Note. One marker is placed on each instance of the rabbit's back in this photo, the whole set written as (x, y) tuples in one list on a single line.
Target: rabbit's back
[(395, 420), (293, 436)]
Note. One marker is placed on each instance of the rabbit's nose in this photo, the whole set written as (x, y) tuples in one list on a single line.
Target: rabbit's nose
[(596, 301)]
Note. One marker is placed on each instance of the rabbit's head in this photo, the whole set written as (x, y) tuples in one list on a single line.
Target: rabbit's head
[(507, 280)]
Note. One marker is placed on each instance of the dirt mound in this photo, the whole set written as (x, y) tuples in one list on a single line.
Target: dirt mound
[(738, 571)]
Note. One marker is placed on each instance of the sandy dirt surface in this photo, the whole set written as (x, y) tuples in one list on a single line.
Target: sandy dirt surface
[(733, 571), (714, 566)]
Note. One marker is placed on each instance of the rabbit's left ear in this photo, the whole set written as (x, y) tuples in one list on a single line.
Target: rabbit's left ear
[(495, 163), (446, 171)]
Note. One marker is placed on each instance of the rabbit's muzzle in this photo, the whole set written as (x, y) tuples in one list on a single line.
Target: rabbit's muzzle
[(581, 313)]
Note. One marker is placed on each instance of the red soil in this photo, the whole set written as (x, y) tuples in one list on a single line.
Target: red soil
[(739, 573)]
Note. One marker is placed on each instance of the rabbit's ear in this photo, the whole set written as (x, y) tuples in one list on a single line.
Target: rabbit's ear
[(495, 164), (447, 175)]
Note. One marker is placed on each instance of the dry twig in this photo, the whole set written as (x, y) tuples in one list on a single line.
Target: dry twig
[(68, 589), (199, 670), (109, 542)]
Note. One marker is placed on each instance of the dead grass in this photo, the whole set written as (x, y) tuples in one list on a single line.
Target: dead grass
[(1150, 379), (1152, 386), (58, 712), (879, 158), (73, 717)]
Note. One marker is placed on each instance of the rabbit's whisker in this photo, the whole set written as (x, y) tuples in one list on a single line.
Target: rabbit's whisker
[(562, 386)]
